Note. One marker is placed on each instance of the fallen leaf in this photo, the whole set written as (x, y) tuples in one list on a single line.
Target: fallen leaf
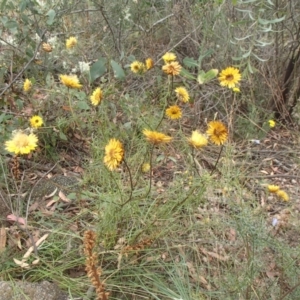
[(63, 197), (13, 218)]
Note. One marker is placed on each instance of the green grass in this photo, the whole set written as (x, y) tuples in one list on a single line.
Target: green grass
[(197, 227)]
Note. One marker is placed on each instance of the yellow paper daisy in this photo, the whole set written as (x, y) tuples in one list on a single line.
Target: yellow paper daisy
[(137, 67), (283, 195), (172, 68), (169, 57), (71, 42), (217, 132), (197, 140), (70, 81), (145, 167), (155, 137), (230, 77), (149, 63), (97, 96), (273, 188), (272, 123), (36, 122), (27, 85), (173, 112), (21, 143), (182, 94), (114, 154)]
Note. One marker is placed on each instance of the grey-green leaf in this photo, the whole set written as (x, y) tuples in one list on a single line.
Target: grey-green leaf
[(97, 69), (118, 70)]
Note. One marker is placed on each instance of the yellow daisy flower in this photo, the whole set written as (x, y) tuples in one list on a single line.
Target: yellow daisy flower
[(217, 132), (173, 112), (145, 167), (21, 143), (27, 85), (169, 57), (114, 154), (149, 63), (173, 68), (97, 96), (230, 77), (272, 123), (155, 137), (197, 140), (283, 195), (182, 94), (36, 122), (273, 188), (70, 81), (137, 67), (71, 42), (46, 47)]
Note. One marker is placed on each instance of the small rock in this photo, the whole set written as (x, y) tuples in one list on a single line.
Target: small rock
[(21, 290)]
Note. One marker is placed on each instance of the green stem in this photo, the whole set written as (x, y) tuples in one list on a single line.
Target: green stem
[(150, 180), (193, 156)]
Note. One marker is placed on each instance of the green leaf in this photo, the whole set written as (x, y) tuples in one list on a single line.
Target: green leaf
[(83, 105), (11, 24), (245, 55), (190, 62), (51, 16), (118, 70), (187, 74), (62, 136), (265, 22), (201, 57), (97, 69), (23, 5), (206, 77)]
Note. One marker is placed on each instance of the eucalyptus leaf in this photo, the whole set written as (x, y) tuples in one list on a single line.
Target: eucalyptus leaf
[(118, 70), (97, 69), (51, 16)]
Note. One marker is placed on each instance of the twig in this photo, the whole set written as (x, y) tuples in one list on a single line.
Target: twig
[(110, 29)]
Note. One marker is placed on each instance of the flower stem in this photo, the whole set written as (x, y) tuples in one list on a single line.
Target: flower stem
[(131, 183), (215, 166), (150, 176)]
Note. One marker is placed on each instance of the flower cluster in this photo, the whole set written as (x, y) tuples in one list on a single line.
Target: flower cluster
[(139, 67), (281, 194)]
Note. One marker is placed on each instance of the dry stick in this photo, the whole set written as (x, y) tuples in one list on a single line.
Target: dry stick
[(110, 29), (25, 67)]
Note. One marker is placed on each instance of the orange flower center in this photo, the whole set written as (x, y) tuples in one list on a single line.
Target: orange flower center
[(229, 77)]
